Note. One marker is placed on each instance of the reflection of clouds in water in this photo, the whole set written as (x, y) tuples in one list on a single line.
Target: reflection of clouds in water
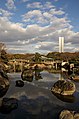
[(37, 84), (18, 95), (36, 100), (36, 106), (32, 89), (14, 76), (48, 77)]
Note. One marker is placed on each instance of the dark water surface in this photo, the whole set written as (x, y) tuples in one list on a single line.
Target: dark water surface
[(35, 99)]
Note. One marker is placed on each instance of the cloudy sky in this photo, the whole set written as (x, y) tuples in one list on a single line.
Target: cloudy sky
[(35, 25)]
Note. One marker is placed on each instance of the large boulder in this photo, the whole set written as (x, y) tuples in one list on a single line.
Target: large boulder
[(4, 81), (27, 75), (65, 98), (64, 87), (8, 104), (66, 114), (3, 74), (4, 85)]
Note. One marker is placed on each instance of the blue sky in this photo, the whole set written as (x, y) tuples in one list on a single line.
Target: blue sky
[(35, 25)]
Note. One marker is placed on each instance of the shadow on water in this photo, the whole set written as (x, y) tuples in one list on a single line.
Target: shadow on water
[(4, 91), (69, 98), (35, 108), (38, 108), (8, 104), (38, 75)]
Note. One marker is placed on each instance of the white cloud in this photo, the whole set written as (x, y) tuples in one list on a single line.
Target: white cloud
[(10, 4), (56, 12), (25, 0), (33, 13), (56, 0), (34, 16), (45, 25), (35, 38), (38, 5), (34, 5), (5, 13), (44, 15)]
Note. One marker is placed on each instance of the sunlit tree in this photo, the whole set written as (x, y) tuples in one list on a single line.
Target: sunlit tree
[(2, 47), (3, 54)]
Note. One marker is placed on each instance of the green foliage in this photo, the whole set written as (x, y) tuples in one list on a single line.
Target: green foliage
[(37, 57), (66, 56)]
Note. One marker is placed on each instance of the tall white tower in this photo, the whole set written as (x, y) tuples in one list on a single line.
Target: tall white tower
[(61, 44)]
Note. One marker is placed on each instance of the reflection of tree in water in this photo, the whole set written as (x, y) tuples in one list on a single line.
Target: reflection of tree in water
[(63, 74), (38, 75)]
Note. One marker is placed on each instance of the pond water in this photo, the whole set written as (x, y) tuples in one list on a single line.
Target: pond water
[(35, 99)]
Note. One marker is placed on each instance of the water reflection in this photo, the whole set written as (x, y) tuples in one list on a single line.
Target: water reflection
[(29, 75), (69, 98), (38, 108), (38, 75), (61, 76), (35, 100)]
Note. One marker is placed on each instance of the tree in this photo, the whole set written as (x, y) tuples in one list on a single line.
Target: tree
[(37, 57), (2, 47), (3, 54)]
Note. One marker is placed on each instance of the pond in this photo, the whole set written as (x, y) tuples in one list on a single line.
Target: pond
[(35, 99)]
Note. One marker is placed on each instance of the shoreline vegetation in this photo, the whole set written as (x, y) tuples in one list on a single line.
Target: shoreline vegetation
[(52, 62), (28, 64)]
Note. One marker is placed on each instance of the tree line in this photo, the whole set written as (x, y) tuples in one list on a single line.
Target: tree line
[(66, 56)]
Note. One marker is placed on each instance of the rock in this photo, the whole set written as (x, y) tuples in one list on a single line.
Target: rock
[(4, 81), (65, 98), (66, 114), (4, 85), (8, 104), (76, 116), (7, 83), (27, 75), (64, 87), (39, 66), (3, 74), (3, 91), (19, 83), (3, 71)]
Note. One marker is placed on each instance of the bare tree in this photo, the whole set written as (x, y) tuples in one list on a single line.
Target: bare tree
[(3, 54), (2, 47)]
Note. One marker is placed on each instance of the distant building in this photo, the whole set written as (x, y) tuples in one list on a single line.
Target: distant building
[(61, 44)]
